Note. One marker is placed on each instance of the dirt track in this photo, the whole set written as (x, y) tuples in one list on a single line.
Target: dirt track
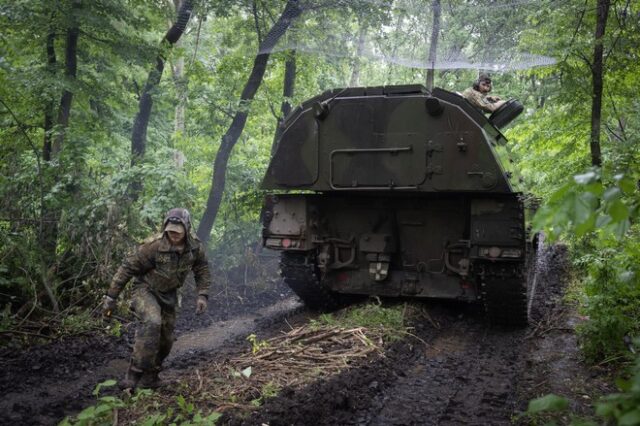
[(459, 371)]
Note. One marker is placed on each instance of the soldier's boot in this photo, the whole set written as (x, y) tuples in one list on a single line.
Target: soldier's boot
[(151, 380), (131, 379)]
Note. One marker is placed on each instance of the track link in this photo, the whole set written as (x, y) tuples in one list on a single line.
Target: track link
[(300, 274), (504, 292)]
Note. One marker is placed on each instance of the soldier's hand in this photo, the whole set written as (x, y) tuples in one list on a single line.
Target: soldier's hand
[(201, 304), (108, 305)]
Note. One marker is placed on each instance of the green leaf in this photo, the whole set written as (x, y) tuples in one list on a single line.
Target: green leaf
[(586, 226), (621, 228), (560, 194), (547, 403), (87, 413), (603, 220), (630, 419), (582, 207), (102, 408), (612, 194), (105, 384), (623, 385), (154, 420), (595, 188), (604, 409), (618, 211), (628, 185)]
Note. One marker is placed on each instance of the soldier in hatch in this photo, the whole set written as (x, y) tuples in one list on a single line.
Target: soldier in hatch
[(159, 267), (478, 95)]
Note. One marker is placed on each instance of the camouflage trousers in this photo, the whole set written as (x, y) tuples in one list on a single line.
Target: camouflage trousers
[(154, 334)]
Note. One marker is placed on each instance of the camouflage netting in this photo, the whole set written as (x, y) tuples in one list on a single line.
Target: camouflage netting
[(471, 34)]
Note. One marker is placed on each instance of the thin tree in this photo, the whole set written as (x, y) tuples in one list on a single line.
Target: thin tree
[(291, 11), (288, 88), (597, 73), (141, 123), (433, 46)]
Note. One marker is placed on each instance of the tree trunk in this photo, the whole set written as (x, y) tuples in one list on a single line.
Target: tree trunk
[(70, 71), (291, 11), (287, 93), (49, 105), (141, 123), (181, 85), (181, 94), (434, 43), (597, 72)]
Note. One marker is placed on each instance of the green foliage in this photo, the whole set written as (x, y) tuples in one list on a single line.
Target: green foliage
[(584, 205), (256, 344), (612, 287), (188, 415), (79, 322), (269, 390), (99, 414), (547, 403), (623, 407)]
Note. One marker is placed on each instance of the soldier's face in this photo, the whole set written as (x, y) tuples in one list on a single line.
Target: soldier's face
[(175, 238), (485, 86)]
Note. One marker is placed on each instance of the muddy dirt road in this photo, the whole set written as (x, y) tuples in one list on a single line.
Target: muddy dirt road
[(456, 370)]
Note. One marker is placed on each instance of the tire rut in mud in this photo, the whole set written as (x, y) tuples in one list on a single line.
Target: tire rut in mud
[(465, 374)]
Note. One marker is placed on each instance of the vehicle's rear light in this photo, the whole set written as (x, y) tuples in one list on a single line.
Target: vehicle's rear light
[(273, 242), (286, 243)]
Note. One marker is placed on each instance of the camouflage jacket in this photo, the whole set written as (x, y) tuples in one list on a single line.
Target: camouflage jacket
[(479, 100), (163, 269)]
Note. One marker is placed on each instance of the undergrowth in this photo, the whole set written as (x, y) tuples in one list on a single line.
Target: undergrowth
[(621, 408), (107, 408), (612, 302)]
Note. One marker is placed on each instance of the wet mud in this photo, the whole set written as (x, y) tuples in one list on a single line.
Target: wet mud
[(457, 369), (43, 384)]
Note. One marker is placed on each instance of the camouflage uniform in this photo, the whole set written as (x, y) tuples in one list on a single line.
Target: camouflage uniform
[(479, 100), (159, 270)]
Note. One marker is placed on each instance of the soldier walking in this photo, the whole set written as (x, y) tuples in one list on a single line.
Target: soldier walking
[(159, 267)]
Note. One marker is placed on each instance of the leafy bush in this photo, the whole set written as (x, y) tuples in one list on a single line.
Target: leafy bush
[(598, 216), (612, 306)]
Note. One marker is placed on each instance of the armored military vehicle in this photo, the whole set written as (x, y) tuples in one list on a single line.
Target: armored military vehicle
[(397, 191)]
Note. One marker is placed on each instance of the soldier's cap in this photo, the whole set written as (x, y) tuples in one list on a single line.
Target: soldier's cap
[(175, 227), (484, 77)]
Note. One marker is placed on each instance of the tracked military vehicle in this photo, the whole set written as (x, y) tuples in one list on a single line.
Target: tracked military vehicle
[(397, 191)]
